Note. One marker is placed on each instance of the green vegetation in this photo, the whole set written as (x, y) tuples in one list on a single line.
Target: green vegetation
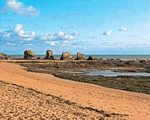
[(134, 84)]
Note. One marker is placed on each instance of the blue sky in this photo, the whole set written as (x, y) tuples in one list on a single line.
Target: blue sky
[(90, 27)]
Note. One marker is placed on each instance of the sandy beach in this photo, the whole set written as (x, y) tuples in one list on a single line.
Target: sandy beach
[(89, 100)]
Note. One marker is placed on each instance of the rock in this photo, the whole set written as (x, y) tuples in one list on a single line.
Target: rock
[(28, 54), (66, 56), (4, 56), (90, 58), (80, 56), (129, 62), (49, 55), (39, 58), (142, 61)]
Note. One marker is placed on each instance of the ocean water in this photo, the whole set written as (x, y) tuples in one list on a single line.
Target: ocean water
[(96, 56)]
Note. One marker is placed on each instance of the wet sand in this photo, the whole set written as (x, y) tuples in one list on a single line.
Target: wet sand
[(136, 105)]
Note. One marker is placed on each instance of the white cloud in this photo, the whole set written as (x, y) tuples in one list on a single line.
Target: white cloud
[(123, 29), (51, 43), (13, 4), (29, 39), (60, 36), (18, 28), (26, 35), (65, 42), (108, 32), (7, 35), (19, 8), (69, 37), (60, 33)]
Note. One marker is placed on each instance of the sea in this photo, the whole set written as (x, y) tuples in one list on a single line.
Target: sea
[(95, 56)]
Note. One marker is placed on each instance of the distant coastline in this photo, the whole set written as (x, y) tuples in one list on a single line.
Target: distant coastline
[(57, 56)]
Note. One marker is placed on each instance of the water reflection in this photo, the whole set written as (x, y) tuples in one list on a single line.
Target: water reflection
[(107, 73)]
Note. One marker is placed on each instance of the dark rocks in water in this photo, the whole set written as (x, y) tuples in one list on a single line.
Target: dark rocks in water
[(142, 61), (90, 58), (66, 56), (39, 58), (130, 62), (49, 55), (80, 56), (29, 55), (4, 56)]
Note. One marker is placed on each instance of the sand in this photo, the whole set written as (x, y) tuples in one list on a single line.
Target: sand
[(97, 98)]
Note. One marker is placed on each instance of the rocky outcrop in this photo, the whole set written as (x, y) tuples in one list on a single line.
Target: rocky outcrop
[(66, 56), (4, 56), (49, 55), (90, 58), (80, 56), (28, 54)]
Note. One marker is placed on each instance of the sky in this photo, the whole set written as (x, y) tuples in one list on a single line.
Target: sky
[(86, 26)]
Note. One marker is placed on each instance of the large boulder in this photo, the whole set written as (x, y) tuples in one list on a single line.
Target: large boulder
[(49, 55), (28, 54), (80, 56), (90, 58), (4, 56), (66, 56)]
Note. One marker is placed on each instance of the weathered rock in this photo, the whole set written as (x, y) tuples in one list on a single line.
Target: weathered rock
[(80, 56), (90, 58), (4, 56), (49, 55), (66, 56), (28, 54)]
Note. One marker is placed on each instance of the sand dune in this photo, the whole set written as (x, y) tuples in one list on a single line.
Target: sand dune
[(123, 103)]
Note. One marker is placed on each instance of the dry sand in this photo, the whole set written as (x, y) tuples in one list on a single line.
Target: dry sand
[(90, 99)]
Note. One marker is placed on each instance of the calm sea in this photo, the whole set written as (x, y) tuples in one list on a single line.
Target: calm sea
[(96, 56)]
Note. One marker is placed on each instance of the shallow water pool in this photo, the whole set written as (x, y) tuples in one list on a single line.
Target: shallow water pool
[(111, 73), (106, 73)]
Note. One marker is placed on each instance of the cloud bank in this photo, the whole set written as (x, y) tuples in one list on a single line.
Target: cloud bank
[(19, 35), (19, 8)]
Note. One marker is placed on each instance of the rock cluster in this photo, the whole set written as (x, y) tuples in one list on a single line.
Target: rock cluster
[(49, 55), (4, 56), (66, 56), (28, 54)]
